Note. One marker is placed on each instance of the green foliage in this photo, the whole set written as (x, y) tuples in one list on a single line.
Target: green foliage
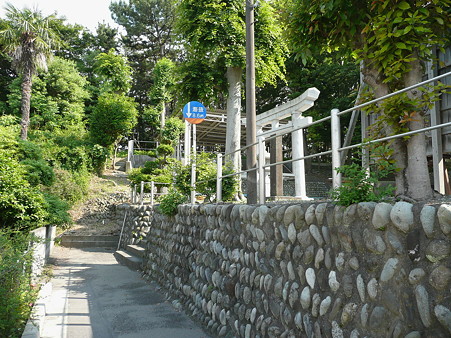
[(214, 37), (98, 156), (17, 294), (359, 185), (38, 172), (21, 205), (172, 130), (165, 150), (148, 36), (57, 211), (58, 97), (206, 172), (163, 80), (113, 117), (68, 186), (29, 38), (114, 72), (399, 110), (170, 202)]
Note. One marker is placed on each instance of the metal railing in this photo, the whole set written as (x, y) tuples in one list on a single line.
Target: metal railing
[(336, 147), (139, 197)]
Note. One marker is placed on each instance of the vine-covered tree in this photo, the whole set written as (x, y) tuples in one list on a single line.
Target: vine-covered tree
[(29, 39), (214, 36), (392, 38)]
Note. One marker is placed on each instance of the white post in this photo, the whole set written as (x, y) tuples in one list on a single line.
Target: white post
[(187, 145), (219, 178), (193, 168), (297, 140), (141, 197), (261, 169), (152, 192), (336, 141), (129, 163)]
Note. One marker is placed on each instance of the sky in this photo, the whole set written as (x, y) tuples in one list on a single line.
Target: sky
[(84, 12)]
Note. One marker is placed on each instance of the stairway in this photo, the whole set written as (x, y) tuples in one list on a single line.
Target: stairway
[(89, 241), (132, 257), (120, 164)]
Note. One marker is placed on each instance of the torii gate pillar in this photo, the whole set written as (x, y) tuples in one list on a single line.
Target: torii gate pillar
[(297, 140), (276, 171)]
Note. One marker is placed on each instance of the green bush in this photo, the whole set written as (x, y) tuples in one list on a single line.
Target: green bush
[(206, 173), (68, 186), (21, 205), (99, 156), (170, 202), (359, 185), (57, 211), (17, 294), (38, 172)]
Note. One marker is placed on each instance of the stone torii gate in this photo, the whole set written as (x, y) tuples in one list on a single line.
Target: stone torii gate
[(273, 117)]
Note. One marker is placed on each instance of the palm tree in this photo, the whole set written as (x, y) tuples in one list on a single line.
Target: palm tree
[(29, 39)]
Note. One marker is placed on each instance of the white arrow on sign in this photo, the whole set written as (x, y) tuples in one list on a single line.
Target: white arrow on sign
[(188, 114)]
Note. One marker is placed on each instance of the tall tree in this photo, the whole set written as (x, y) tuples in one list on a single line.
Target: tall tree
[(58, 99), (163, 80), (214, 32), (392, 38), (29, 39), (114, 72), (149, 37)]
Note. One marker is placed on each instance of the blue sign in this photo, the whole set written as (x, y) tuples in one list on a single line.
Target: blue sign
[(194, 112)]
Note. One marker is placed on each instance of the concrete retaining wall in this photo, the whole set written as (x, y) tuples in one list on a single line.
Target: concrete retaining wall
[(42, 245), (314, 270)]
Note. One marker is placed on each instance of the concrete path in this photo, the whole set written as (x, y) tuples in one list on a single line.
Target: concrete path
[(94, 296)]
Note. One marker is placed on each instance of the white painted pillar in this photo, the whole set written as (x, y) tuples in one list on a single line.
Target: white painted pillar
[(336, 144), (219, 178), (297, 140), (261, 170)]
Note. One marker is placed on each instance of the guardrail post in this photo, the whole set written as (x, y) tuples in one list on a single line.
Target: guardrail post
[(336, 141), (141, 196), (261, 170), (219, 178), (152, 192)]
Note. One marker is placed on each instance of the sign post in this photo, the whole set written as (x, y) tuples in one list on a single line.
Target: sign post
[(194, 113)]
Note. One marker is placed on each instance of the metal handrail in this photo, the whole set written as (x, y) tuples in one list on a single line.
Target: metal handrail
[(340, 149)]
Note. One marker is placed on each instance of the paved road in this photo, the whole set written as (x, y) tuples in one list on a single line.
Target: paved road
[(94, 296)]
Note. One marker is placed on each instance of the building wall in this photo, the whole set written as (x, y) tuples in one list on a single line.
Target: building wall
[(310, 270)]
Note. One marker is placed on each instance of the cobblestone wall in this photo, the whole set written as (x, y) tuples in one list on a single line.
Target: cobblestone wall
[(310, 270), (135, 221)]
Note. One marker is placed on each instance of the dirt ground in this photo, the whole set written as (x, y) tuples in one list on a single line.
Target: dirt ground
[(92, 216)]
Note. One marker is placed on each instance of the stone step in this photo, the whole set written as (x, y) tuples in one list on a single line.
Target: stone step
[(86, 241), (133, 262), (136, 250)]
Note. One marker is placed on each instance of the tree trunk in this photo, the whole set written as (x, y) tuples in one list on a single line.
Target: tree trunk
[(233, 127), (25, 104), (374, 79), (417, 173), (163, 115)]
